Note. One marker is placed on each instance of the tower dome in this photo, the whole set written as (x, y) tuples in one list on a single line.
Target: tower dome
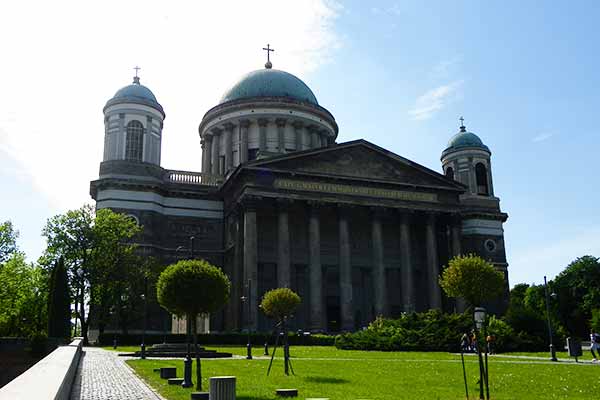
[(270, 82), (467, 160), (133, 122), (135, 93)]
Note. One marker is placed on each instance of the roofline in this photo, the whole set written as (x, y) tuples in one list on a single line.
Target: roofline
[(233, 104), (135, 100), (249, 165)]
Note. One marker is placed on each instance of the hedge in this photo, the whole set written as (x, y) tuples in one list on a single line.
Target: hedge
[(233, 338)]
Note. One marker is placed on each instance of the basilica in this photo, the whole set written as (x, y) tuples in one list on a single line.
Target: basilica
[(355, 229)]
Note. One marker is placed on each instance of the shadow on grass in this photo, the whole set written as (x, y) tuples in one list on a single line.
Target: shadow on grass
[(252, 398), (325, 379)]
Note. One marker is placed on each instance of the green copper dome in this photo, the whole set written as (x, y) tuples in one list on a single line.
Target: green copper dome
[(270, 82), (464, 139)]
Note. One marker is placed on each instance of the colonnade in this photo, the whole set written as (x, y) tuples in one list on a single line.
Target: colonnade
[(306, 135), (317, 316)]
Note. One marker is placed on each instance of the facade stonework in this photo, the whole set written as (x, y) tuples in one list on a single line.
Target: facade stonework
[(356, 230)]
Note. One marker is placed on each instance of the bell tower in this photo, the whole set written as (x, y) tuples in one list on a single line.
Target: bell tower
[(133, 122)]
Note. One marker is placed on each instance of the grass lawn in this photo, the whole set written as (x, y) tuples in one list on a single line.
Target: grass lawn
[(338, 374)]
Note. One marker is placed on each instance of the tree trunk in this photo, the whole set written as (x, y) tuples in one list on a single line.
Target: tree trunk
[(198, 366)]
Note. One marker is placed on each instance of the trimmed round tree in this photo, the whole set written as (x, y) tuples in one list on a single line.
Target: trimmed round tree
[(192, 288), (280, 304), (473, 279)]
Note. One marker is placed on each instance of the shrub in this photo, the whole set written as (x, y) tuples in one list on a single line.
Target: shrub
[(428, 331), (279, 303)]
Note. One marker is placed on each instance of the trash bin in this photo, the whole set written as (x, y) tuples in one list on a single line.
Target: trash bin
[(574, 348)]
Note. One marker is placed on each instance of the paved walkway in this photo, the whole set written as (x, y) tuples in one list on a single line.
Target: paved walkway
[(102, 375)]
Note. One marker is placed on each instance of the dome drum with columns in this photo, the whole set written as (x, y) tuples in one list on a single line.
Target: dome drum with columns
[(355, 229), (267, 112)]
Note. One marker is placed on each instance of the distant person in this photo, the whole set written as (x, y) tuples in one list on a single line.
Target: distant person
[(594, 344), (464, 343), (490, 339)]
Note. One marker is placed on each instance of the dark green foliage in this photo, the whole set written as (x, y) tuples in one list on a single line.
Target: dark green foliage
[(473, 279), (8, 241), (237, 338), (280, 303), (59, 303), (578, 294), (192, 287), (430, 331), (38, 343)]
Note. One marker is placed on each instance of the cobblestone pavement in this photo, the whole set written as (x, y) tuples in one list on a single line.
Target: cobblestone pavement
[(102, 375)]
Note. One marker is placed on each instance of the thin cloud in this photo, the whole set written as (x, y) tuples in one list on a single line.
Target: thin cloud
[(435, 100), (446, 68), (542, 137)]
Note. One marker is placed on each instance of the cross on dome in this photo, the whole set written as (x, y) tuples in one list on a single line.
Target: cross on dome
[(268, 49), (462, 125), (136, 78)]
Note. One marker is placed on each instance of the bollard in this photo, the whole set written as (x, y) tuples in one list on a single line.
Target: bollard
[(222, 388)]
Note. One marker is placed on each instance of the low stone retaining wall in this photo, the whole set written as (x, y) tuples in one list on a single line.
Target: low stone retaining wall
[(51, 378)]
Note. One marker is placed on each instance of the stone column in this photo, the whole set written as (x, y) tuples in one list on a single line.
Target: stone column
[(314, 137), (378, 264), (407, 274), (203, 147), (244, 124), (228, 137), (346, 307), (215, 151), (280, 134), (262, 134), (250, 263), (433, 268), (323, 135), (298, 125), (489, 176), (317, 318), (455, 232), (472, 177), (206, 166), (283, 245), (456, 229), (237, 273)]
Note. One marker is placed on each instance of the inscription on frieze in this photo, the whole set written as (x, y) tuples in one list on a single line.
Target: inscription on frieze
[(354, 190), (191, 229)]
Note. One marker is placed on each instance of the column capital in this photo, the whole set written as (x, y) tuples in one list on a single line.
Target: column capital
[(378, 212), (312, 128), (298, 124), (244, 123), (228, 126), (216, 131), (250, 203), (283, 203), (263, 121), (281, 122)]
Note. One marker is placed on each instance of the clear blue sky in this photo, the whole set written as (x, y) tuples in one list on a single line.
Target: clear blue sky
[(399, 74)]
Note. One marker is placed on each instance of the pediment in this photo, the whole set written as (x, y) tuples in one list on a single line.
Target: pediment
[(358, 159)]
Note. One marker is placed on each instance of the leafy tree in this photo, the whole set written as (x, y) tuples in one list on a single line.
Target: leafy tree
[(280, 304), (578, 294), (59, 302), (94, 247), (22, 297), (192, 288), (8, 241), (472, 278)]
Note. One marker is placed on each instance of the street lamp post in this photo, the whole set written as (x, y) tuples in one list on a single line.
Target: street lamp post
[(187, 363), (246, 299), (479, 317), (552, 350), (145, 299)]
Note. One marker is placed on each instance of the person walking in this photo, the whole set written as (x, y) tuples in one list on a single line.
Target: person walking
[(594, 344)]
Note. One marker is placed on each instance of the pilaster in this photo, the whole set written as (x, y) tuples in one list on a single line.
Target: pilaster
[(317, 317), (433, 269), (346, 306)]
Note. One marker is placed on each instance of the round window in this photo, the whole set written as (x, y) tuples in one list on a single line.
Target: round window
[(490, 245)]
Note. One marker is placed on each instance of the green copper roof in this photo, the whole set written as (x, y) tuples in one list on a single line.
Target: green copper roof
[(464, 139), (270, 83), (135, 93)]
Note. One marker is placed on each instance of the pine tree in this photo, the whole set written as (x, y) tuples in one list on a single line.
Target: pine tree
[(59, 303)]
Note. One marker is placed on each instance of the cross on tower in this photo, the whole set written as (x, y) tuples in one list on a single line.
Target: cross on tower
[(136, 70), (462, 121), (268, 49)]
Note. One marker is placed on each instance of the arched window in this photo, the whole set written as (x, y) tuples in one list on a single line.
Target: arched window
[(134, 143), (450, 172), (481, 178)]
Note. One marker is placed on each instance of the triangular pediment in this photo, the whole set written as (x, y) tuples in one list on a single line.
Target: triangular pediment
[(358, 160)]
